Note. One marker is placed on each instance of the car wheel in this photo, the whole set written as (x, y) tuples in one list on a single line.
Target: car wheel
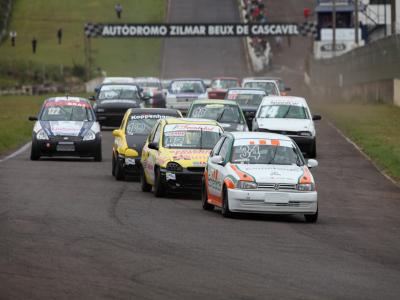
[(158, 186), (313, 150), (143, 182), (311, 218), (98, 156), (35, 155), (119, 171), (225, 204), (204, 198), (113, 165)]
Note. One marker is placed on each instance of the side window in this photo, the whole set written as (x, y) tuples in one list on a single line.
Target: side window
[(224, 151), (157, 134), (217, 146)]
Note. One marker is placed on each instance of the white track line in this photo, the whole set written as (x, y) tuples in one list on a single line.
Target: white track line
[(19, 151), (364, 154)]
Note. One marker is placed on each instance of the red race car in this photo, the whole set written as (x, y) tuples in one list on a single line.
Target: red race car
[(220, 85)]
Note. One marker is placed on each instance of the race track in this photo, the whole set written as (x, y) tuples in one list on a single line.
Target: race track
[(68, 230)]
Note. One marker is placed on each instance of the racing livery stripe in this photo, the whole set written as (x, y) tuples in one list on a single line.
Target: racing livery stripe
[(243, 176), (229, 183), (306, 177)]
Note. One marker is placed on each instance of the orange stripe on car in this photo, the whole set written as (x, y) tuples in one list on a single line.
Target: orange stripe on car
[(242, 175), (229, 183), (263, 142), (275, 142), (306, 177)]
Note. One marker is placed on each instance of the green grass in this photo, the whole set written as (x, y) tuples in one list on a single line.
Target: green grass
[(375, 128), (15, 129), (118, 56)]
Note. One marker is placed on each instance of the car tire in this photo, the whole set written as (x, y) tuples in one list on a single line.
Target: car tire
[(313, 150), (143, 183), (226, 213), (311, 218), (119, 171), (35, 155), (113, 165), (204, 198), (98, 155), (158, 187)]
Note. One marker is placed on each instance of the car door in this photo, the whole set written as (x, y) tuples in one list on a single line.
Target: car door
[(212, 170), (152, 154)]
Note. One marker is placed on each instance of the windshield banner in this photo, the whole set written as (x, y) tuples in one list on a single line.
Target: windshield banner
[(199, 30)]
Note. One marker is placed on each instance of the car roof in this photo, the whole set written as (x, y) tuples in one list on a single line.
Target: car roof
[(259, 79), (246, 89), (227, 78), (118, 80), (161, 111), (257, 135), (212, 101), (284, 99), (187, 79), (150, 79), (190, 121)]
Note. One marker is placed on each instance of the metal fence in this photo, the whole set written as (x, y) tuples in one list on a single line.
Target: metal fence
[(377, 61), (5, 12)]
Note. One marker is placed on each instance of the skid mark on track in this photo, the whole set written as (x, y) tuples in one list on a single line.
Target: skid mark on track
[(112, 211)]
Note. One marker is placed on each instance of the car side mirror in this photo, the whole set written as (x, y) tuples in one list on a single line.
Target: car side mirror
[(32, 118), (92, 98), (218, 160), (316, 117), (312, 163), (117, 133), (153, 145), (97, 89)]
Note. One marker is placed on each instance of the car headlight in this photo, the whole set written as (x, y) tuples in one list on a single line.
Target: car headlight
[(89, 136), (246, 185), (174, 167), (100, 110), (305, 133), (41, 135), (306, 187)]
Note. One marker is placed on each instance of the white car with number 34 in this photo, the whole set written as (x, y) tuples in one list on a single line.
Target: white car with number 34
[(256, 172)]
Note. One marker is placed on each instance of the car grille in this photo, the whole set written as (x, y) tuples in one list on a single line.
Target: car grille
[(196, 169), (277, 187), (272, 204), (61, 138)]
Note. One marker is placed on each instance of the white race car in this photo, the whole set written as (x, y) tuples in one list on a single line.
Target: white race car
[(270, 86), (289, 116), (255, 172)]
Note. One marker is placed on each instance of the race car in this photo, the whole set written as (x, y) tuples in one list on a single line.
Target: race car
[(113, 100), (248, 99), (220, 85), (131, 136), (256, 172), (270, 86), (225, 112), (152, 88), (66, 126), (175, 154), (182, 92), (289, 116)]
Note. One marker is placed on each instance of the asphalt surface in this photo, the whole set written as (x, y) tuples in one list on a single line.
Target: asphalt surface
[(68, 230)]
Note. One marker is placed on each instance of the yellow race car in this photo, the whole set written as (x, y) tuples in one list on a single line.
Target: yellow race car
[(176, 152), (131, 136)]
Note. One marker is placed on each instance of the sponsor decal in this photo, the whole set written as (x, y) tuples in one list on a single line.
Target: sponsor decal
[(118, 101), (67, 103), (143, 117)]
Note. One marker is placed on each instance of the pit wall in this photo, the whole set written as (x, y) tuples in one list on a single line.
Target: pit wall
[(370, 73)]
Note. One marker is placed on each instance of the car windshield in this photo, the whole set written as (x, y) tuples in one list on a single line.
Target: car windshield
[(190, 87), (224, 83), (283, 112), (141, 124), (191, 136), (67, 111), (243, 99), (265, 152), (268, 86), (114, 92), (223, 113)]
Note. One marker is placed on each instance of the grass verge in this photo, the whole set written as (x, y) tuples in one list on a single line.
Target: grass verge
[(375, 128)]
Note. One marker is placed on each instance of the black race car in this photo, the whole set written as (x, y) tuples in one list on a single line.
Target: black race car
[(66, 126)]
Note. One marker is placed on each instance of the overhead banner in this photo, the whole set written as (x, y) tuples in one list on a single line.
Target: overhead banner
[(197, 30)]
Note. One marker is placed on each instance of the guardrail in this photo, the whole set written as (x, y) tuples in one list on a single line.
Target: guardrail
[(5, 12)]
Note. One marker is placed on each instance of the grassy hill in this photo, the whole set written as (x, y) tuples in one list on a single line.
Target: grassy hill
[(42, 18)]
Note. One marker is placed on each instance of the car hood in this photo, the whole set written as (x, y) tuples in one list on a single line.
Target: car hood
[(264, 173), (185, 157), (66, 128), (136, 142), (285, 124), (118, 103)]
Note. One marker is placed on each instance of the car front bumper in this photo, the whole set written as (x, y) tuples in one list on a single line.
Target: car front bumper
[(130, 165), (74, 146), (272, 202), (187, 180)]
